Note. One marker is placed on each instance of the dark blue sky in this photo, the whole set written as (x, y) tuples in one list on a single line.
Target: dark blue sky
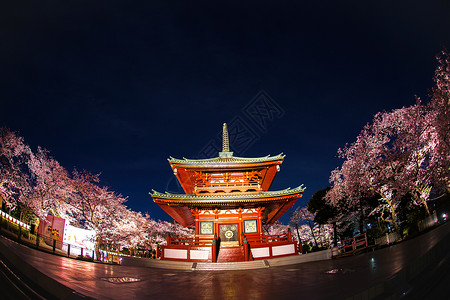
[(118, 86)]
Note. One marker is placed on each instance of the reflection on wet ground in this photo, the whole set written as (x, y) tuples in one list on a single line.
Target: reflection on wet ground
[(331, 279)]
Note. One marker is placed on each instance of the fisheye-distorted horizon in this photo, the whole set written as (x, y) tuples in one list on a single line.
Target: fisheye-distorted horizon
[(117, 87)]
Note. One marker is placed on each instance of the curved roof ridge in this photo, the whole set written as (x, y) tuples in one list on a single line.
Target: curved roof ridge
[(233, 159), (225, 196)]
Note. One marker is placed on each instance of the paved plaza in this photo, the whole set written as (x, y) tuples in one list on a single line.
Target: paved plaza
[(415, 269)]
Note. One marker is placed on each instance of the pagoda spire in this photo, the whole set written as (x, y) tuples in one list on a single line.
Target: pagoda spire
[(225, 143)]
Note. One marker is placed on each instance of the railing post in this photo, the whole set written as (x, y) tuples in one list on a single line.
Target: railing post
[(158, 251), (37, 240), (168, 240), (82, 252), (68, 250), (246, 250), (54, 245), (289, 235)]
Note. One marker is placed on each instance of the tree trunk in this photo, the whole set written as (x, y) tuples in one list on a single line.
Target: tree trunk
[(361, 219), (334, 234), (97, 247), (394, 217), (424, 191), (424, 201), (312, 232), (298, 234)]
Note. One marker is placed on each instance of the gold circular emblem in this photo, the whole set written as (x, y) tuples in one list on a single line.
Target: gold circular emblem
[(229, 234)]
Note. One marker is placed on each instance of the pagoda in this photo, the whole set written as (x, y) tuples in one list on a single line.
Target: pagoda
[(227, 200)]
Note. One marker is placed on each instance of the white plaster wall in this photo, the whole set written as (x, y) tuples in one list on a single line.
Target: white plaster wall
[(175, 253), (260, 252), (199, 254), (282, 250)]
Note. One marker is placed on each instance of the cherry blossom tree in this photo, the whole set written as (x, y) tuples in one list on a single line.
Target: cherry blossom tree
[(50, 187), (302, 215), (276, 228), (402, 153), (440, 120), (322, 233), (38, 182), (97, 207), (14, 154), (126, 229), (380, 162), (159, 230)]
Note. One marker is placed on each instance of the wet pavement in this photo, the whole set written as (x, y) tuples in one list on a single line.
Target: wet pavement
[(389, 272)]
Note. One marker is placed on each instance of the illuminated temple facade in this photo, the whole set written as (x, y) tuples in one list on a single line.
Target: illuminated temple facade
[(227, 201)]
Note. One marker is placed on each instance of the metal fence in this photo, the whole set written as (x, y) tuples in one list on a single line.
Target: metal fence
[(428, 222), (387, 239), (19, 231)]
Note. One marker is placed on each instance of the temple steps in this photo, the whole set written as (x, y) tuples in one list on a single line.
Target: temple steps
[(245, 265), (231, 254)]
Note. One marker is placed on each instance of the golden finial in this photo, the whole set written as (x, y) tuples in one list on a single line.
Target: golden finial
[(225, 141)]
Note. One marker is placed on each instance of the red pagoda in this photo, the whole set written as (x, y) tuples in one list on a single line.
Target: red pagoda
[(227, 201)]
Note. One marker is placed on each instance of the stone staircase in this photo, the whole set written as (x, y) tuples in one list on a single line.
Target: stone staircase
[(243, 265), (231, 254)]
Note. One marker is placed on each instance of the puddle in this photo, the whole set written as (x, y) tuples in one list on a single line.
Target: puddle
[(343, 271), (124, 279)]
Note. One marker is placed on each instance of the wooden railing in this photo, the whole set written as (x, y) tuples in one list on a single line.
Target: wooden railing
[(188, 249), (255, 247), (266, 239), (175, 241), (269, 246), (227, 182), (350, 246)]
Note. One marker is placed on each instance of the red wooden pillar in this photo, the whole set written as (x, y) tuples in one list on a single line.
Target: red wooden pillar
[(246, 250), (260, 228), (214, 250), (196, 214)]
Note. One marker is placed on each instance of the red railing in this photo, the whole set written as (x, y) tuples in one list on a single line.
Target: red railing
[(267, 246), (175, 241), (188, 244), (350, 246), (266, 239)]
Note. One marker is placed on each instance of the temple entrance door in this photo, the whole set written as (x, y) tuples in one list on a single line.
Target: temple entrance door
[(229, 235)]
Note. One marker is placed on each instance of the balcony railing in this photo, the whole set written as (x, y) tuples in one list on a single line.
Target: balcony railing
[(266, 239), (175, 241)]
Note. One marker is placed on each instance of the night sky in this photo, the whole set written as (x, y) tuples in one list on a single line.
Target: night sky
[(119, 86)]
